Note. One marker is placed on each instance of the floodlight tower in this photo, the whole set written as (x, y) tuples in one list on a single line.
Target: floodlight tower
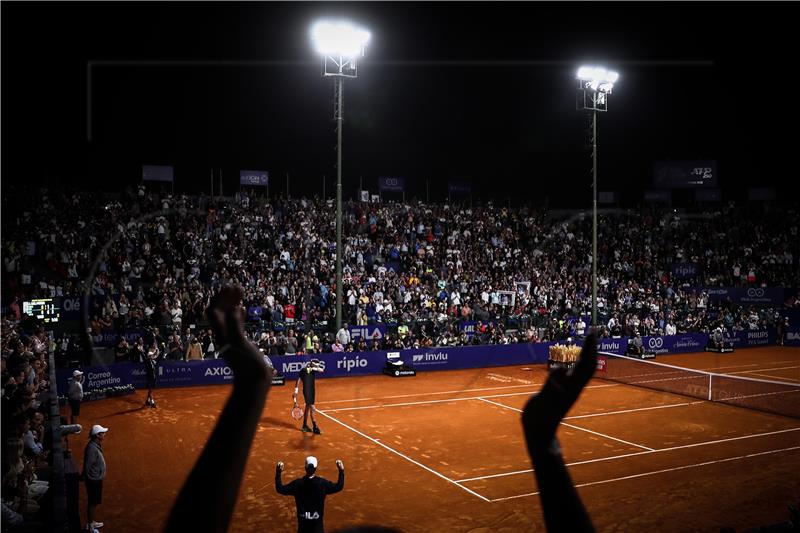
[(340, 44), (594, 87)]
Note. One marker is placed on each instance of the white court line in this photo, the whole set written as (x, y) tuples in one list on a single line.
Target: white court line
[(432, 393), (696, 465), (608, 413), (608, 436), (575, 427), (634, 410), (425, 402), (613, 457), (407, 458), (774, 377), (763, 369), (742, 366)]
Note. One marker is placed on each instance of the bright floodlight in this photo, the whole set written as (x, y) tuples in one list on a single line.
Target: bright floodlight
[(598, 78), (339, 39)]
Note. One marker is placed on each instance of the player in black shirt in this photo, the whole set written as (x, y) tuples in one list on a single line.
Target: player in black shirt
[(309, 494), (151, 369), (308, 377)]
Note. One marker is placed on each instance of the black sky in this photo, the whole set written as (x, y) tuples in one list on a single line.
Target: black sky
[(477, 92)]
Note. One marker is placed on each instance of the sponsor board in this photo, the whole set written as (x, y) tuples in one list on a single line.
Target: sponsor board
[(377, 331), (217, 372), (428, 358), (793, 337), (748, 295), (745, 339), (616, 346)]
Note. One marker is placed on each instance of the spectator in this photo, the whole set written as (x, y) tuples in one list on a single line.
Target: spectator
[(75, 395), (94, 472)]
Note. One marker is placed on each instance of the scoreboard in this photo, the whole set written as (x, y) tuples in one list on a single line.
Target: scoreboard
[(684, 174), (44, 309)]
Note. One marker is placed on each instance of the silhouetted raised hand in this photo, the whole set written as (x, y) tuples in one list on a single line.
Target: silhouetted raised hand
[(208, 497), (561, 505)]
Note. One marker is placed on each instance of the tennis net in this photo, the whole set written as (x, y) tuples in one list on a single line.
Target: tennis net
[(777, 397)]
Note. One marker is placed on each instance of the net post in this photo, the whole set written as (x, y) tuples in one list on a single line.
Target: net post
[(709, 387)]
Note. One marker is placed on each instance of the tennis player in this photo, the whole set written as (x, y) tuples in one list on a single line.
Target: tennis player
[(308, 377), (309, 494)]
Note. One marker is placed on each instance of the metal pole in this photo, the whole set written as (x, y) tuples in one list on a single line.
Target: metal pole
[(594, 219), (340, 84), (212, 183)]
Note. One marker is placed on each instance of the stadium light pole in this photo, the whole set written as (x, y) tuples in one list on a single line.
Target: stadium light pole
[(340, 44), (594, 87)]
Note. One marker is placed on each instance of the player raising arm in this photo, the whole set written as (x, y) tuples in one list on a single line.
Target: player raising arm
[(308, 378)]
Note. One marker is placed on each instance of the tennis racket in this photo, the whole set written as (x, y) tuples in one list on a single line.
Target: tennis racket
[(297, 412)]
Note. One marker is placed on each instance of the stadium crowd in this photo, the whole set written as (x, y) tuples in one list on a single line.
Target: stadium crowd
[(25, 427), (151, 261)]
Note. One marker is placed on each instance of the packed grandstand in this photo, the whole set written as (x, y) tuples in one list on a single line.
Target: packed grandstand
[(149, 261)]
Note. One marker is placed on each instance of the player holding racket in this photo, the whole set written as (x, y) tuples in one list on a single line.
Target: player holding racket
[(308, 377)]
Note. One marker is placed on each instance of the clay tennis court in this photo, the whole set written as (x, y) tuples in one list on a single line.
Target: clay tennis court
[(445, 452)]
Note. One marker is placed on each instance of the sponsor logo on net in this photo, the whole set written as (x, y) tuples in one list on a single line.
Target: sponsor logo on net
[(439, 358)]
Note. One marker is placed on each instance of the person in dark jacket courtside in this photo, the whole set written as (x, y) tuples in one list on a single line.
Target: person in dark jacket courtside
[(309, 494)]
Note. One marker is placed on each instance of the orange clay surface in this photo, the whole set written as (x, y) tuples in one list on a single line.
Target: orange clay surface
[(445, 452)]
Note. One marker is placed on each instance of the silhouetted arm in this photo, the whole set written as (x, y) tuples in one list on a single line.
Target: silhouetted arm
[(208, 497), (561, 505)]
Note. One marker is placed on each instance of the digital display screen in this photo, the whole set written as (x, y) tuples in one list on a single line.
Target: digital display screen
[(684, 174), (44, 309)]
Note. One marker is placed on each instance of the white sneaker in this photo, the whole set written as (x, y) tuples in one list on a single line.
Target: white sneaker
[(96, 525)]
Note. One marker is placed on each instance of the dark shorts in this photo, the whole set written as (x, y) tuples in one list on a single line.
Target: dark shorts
[(94, 491), (309, 396), (75, 405)]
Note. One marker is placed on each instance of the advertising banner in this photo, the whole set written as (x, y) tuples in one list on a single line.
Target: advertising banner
[(254, 178), (685, 270), (688, 342), (657, 196), (459, 188), (108, 339), (684, 174), (708, 196), (390, 184), (377, 331), (747, 295), (793, 337), (72, 308), (100, 381), (157, 173), (748, 339), (119, 376)]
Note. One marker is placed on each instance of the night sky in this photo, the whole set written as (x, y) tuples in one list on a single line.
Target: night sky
[(477, 92)]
